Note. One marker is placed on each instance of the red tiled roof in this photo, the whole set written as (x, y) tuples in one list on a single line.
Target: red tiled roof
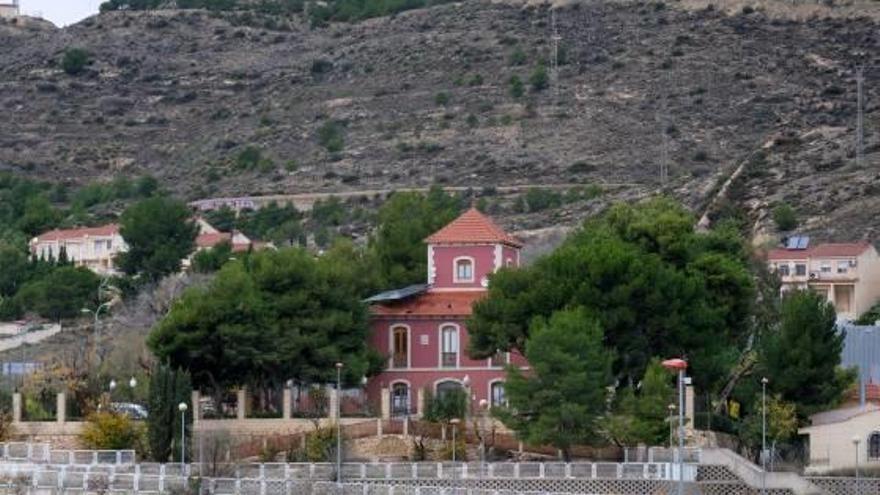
[(211, 240), (840, 249), (472, 227), (67, 234), (431, 304)]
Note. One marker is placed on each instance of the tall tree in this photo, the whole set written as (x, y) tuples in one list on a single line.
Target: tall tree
[(560, 400), (802, 356), (168, 388), (404, 223), (642, 415), (160, 233), (268, 317), (657, 286)]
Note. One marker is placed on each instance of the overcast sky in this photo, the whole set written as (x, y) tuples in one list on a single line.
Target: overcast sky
[(61, 12)]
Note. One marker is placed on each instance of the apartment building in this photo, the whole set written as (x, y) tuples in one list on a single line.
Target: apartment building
[(847, 274)]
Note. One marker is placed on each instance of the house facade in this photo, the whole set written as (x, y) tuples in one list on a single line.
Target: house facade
[(847, 274), (422, 329), (832, 437), (93, 247), (8, 9)]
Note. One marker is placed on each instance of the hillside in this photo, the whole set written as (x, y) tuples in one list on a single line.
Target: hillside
[(217, 104)]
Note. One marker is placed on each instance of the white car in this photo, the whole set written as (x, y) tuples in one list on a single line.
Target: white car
[(130, 409)]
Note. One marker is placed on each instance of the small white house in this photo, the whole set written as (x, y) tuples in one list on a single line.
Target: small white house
[(833, 436)]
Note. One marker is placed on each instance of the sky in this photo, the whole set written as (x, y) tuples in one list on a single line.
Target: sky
[(60, 12)]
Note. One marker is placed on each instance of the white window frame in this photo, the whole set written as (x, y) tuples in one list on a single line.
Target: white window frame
[(491, 396), (441, 345), (842, 266), (804, 265), (391, 329), (784, 269), (455, 277), (825, 267), (409, 392)]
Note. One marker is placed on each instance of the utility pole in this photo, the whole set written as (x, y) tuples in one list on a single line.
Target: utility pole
[(554, 68), (860, 122)]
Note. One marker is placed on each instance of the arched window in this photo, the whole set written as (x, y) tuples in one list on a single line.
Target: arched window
[(400, 347), (400, 399), (498, 398), (447, 386), (449, 346), (464, 270), (874, 445)]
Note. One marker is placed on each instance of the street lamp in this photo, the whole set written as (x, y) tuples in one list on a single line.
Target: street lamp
[(764, 382), (133, 383), (679, 365), (112, 386), (671, 419), (182, 408), (97, 313), (454, 422), (338, 423), (484, 409), (856, 440)]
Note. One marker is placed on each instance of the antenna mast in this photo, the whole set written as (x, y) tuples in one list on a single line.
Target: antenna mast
[(860, 125), (554, 69)]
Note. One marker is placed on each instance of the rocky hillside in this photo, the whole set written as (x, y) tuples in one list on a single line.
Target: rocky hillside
[(236, 103)]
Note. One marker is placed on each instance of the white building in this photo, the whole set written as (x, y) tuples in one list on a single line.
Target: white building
[(8, 8), (847, 274), (832, 438), (92, 247)]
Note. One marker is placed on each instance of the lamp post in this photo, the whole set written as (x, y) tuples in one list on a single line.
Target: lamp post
[(856, 440), (182, 408), (97, 313), (132, 384), (679, 365), (484, 410), (764, 382), (671, 419), (338, 423), (454, 422)]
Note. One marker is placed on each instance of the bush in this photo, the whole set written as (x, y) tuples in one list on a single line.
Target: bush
[(785, 217), (516, 87), (330, 136), (539, 79), (442, 98), (110, 431), (75, 61), (248, 158), (445, 453), (321, 66), (518, 56), (542, 199), (450, 405)]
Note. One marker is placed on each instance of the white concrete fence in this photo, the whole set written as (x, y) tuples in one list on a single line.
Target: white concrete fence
[(42, 453)]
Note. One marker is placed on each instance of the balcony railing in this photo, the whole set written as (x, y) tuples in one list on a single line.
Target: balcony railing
[(449, 360), (400, 360)]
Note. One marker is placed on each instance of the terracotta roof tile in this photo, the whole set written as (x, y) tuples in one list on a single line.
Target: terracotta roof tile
[(211, 240), (68, 234), (431, 304), (472, 227), (840, 249)]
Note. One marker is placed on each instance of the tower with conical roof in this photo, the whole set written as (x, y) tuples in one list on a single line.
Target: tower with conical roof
[(422, 328)]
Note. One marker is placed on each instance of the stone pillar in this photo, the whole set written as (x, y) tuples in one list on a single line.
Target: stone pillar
[(287, 403), (16, 407), (386, 403), (61, 407), (420, 402), (196, 399), (406, 426), (379, 432), (689, 405), (333, 403), (242, 403)]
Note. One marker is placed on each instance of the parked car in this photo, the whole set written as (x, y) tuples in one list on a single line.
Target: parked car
[(130, 409)]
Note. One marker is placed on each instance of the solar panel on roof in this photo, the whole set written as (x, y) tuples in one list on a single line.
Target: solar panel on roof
[(803, 242), (792, 242), (397, 294)]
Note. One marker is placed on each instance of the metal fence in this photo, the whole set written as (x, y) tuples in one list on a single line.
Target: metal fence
[(361, 471), (364, 478), (41, 453)]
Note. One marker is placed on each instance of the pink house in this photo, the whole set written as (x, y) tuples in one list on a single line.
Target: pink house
[(421, 328)]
